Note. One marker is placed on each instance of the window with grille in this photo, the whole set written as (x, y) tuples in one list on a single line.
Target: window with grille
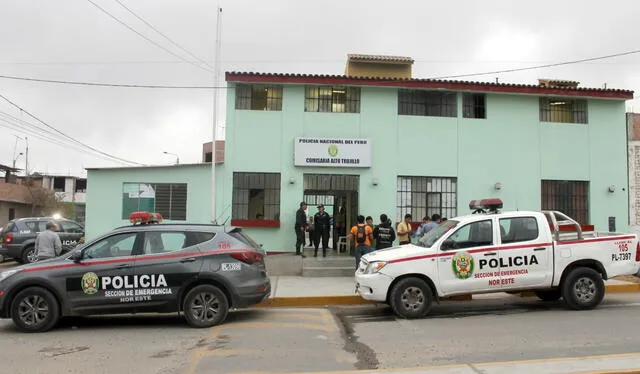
[(563, 110), (474, 105), (168, 199), (427, 103), (256, 196), (258, 97), (568, 197), (332, 99), (425, 196)]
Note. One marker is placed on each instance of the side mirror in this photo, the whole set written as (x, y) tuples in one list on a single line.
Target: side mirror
[(76, 256), (446, 245)]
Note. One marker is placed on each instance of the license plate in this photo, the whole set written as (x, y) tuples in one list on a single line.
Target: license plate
[(234, 266)]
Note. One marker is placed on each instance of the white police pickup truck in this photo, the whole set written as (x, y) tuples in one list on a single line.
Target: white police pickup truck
[(490, 251)]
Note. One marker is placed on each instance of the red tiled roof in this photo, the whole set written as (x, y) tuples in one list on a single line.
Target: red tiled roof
[(434, 84), (379, 58)]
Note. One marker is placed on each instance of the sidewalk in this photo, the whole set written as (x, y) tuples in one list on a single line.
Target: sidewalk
[(297, 291)]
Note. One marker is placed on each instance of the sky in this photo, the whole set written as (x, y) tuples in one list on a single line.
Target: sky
[(74, 40)]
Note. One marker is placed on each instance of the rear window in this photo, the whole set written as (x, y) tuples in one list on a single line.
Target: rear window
[(244, 238), (10, 227), (195, 238)]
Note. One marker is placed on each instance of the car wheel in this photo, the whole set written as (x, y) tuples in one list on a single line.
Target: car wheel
[(583, 289), (2, 258), (205, 306), (411, 298), (549, 295), (29, 255), (35, 310)]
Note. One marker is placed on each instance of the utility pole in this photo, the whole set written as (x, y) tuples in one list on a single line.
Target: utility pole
[(215, 114), (26, 162)]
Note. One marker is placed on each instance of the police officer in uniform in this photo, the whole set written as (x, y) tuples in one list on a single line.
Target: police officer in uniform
[(301, 228), (322, 223), (384, 233)]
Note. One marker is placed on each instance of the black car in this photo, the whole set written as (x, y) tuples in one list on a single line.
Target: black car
[(19, 237), (199, 270)]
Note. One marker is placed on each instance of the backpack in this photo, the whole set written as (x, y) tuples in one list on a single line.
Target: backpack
[(361, 235)]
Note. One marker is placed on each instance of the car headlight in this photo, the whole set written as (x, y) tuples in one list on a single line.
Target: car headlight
[(6, 274), (374, 267)]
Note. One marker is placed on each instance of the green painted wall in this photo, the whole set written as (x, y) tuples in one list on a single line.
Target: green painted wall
[(511, 147)]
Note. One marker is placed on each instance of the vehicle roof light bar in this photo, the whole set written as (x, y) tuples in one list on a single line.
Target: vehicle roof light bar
[(491, 205)]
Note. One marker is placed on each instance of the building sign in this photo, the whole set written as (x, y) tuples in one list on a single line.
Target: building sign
[(332, 152)]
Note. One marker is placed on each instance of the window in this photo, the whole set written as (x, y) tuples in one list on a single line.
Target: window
[(474, 105), (427, 103), (72, 227), (161, 242), (519, 229), (58, 184), (119, 245), (568, 197), (258, 97), (81, 185), (12, 214), (563, 110), (168, 199), (425, 196), (476, 234), (35, 226), (332, 99), (256, 194)]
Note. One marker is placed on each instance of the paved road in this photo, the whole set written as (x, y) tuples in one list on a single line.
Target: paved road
[(7, 265), (315, 340)]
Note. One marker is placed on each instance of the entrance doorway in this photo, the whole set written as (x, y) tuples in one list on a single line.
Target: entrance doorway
[(339, 195)]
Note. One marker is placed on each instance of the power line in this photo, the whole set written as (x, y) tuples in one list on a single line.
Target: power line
[(541, 66), (146, 38), (67, 136), (102, 84), (163, 35)]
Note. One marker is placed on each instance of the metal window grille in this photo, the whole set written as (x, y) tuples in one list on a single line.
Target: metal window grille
[(258, 97), (427, 103), (330, 182), (256, 193), (568, 197), (332, 99), (563, 110), (474, 105), (169, 199), (425, 196)]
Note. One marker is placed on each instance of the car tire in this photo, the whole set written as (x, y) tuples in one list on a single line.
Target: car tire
[(28, 255), (2, 258), (411, 298), (583, 289), (205, 306), (549, 295), (35, 309)]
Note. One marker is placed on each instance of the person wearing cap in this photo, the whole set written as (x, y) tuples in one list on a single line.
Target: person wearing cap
[(48, 243), (321, 221), (301, 228)]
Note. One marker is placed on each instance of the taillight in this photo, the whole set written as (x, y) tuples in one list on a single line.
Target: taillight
[(638, 252), (249, 257), (9, 238)]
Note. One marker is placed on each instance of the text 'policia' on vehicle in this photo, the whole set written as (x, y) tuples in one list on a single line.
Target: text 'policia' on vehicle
[(200, 270), (489, 251)]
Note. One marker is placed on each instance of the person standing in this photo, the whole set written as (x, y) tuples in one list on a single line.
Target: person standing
[(420, 230), (301, 228), (321, 221), (384, 233), (48, 244), (362, 236), (404, 230)]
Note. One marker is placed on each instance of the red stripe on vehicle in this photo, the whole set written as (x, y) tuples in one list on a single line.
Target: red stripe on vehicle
[(136, 259)]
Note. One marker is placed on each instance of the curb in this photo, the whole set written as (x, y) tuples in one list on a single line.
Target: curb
[(310, 301)]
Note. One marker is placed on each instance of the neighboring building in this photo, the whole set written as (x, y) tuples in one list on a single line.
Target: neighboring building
[(379, 141), (70, 190), (15, 199), (207, 154)]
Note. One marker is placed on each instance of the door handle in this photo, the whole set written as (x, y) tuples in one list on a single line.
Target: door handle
[(124, 266), (490, 254), (188, 259), (540, 249)]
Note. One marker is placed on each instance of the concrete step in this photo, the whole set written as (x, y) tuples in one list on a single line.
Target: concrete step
[(329, 271)]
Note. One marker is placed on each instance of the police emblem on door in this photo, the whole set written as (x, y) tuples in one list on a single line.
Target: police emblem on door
[(90, 283), (462, 265)]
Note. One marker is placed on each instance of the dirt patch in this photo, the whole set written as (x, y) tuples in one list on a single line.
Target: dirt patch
[(628, 278)]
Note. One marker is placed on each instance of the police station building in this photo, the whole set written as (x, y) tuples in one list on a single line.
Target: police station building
[(376, 140)]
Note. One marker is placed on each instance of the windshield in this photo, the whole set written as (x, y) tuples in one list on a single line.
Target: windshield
[(427, 240)]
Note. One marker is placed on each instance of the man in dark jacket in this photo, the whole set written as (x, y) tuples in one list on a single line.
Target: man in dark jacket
[(301, 227), (384, 233), (321, 222)]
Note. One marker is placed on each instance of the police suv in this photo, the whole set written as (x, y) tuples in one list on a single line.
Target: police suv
[(199, 270), (489, 251)]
